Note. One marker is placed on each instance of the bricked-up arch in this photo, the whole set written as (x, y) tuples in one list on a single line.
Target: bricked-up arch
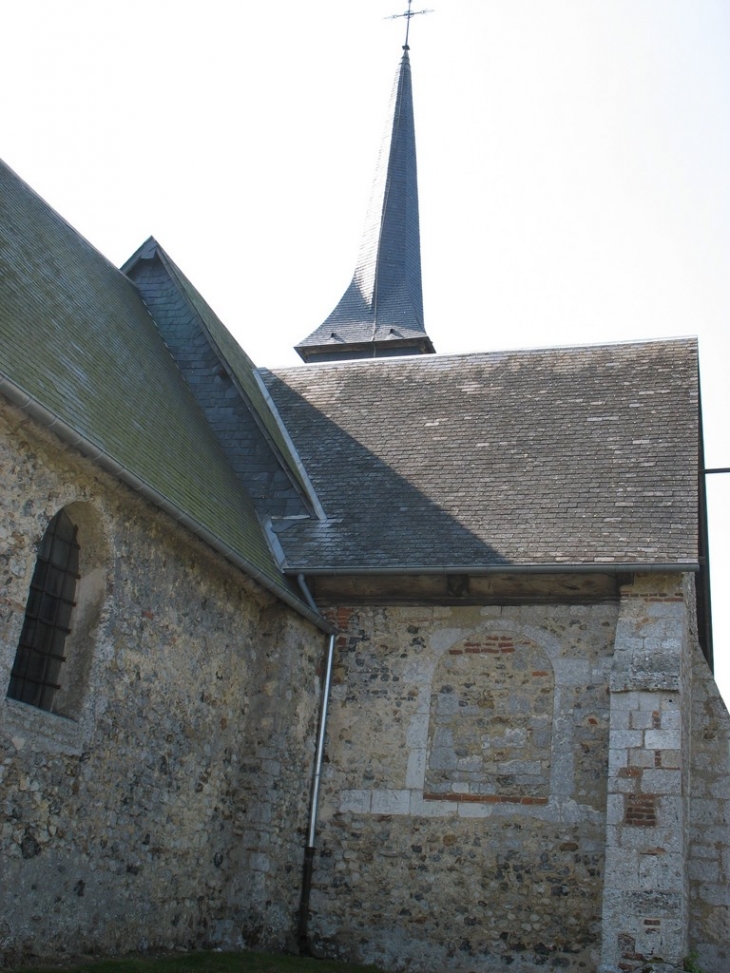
[(490, 727)]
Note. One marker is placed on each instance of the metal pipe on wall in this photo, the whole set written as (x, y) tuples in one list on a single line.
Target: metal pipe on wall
[(303, 935)]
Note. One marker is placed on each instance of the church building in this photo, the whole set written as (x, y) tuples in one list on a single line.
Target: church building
[(394, 657)]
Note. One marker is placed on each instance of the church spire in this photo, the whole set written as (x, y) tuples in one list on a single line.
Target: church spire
[(381, 312)]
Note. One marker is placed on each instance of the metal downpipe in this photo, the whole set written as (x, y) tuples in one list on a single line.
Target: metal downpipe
[(303, 935)]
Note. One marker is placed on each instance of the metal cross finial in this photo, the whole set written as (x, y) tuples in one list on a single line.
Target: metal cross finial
[(408, 14)]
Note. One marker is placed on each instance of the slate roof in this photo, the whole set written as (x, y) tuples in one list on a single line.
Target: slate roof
[(77, 340), (381, 312), (566, 456), (223, 381)]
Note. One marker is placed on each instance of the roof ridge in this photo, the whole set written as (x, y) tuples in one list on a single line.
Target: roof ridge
[(436, 359)]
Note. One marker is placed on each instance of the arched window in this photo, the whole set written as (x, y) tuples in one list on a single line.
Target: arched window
[(35, 676)]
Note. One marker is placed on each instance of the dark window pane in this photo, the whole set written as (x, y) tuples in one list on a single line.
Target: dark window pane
[(40, 655)]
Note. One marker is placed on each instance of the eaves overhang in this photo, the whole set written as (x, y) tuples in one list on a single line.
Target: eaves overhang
[(553, 567), (353, 351), (19, 397)]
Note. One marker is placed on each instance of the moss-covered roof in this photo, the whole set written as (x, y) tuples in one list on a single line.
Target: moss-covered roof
[(239, 363), (76, 337)]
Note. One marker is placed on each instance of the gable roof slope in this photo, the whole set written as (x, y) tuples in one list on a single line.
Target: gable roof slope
[(564, 456), (76, 340), (232, 355)]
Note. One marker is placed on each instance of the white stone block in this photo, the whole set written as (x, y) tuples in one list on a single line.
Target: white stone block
[(390, 802), (572, 672), (416, 769), (562, 780), (418, 672), (431, 809), (641, 719), (671, 718), (617, 758), (468, 810), (622, 719), (614, 808), (423, 704), (648, 702), (638, 757), (663, 739), (417, 732), (672, 611), (445, 638), (625, 738), (661, 781), (357, 802), (661, 871), (628, 700)]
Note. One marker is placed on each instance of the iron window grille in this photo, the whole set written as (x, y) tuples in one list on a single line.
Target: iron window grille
[(35, 675)]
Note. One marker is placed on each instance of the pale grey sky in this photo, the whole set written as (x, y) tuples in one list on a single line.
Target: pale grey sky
[(574, 166)]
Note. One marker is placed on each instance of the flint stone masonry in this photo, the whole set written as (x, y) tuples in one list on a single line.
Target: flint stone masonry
[(528, 785), (503, 865), (490, 721), (174, 803), (709, 823)]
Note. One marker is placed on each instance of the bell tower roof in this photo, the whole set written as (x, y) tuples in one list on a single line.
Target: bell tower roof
[(381, 312)]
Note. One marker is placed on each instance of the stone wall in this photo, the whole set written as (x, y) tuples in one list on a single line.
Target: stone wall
[(463, 823), (645, 905), (168, 807), (536, 785), (709, 837)]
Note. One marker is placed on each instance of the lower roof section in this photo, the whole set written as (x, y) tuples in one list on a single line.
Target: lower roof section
[(569, 457)]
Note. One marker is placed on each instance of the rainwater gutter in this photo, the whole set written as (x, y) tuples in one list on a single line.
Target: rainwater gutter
[(302, 932), (33, 408), (595, 567)]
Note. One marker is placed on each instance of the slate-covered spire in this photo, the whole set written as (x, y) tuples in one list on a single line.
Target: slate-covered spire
[(381, 312)]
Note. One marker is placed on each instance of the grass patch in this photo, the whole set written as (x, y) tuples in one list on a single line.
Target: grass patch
[(247, 962)]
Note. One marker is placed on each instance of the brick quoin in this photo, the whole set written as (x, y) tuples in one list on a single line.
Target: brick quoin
[(630, 959), (641, 810)]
